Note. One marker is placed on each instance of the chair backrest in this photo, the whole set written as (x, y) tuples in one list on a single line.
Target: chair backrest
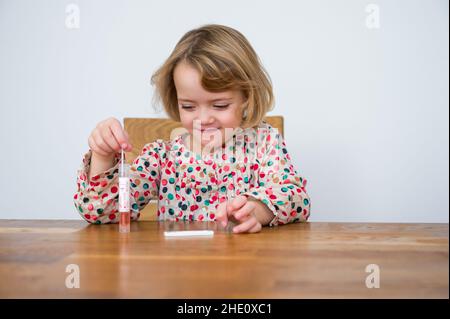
[(145, 130)]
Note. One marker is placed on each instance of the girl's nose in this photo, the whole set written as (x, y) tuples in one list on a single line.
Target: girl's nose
[(205, 117)]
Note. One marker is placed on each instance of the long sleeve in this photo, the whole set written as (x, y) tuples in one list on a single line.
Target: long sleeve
[(96, 200), (279, 186)]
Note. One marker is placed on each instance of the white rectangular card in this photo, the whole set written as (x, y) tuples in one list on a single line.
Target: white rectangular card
[(188, 233)]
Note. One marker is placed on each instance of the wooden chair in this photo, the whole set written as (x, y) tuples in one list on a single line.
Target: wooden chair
[(145, 130)]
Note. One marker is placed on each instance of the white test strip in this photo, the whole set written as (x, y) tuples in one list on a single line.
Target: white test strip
[(188, 233)]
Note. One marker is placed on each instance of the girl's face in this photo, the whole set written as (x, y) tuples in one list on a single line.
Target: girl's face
[(204, 114)]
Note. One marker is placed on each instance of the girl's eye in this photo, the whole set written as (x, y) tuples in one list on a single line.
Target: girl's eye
[(222, 106), (189, 107)]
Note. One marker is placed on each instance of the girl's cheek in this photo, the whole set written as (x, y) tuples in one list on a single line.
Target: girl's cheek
[(186, 121), (229, 119), (234, 121)]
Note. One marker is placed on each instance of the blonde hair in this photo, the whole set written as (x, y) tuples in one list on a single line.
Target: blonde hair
[(226, 61)]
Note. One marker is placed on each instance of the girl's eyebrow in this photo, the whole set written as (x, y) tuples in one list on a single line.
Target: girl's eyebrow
[(213, 100)]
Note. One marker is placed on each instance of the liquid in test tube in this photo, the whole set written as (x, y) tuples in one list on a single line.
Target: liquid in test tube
[(124, 196)]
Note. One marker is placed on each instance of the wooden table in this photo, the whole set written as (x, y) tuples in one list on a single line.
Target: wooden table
[(312, 260)]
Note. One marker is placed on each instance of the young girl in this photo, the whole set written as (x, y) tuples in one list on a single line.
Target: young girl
[(228, 165)]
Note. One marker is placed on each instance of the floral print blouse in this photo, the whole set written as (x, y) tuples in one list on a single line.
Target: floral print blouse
[(190, 186)]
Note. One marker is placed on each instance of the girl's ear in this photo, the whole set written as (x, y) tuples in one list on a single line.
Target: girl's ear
[(244, 110), (244, 114)]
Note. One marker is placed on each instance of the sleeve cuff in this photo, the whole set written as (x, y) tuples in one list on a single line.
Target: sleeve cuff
[(100, 181)]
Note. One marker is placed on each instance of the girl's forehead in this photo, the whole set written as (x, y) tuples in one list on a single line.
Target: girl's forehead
[(188, 85), (184, 74), (188, 82)]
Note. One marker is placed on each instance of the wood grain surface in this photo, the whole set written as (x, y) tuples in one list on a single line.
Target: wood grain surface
[(310, 260)]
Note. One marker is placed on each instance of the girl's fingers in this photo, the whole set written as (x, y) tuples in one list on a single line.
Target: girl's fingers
[(120, 135), (130, 147), (245, 211), (222, 216), (100, 143), (245, 226), (109, 139), (94, 147), (229, 207), (237, 203), (257, 228)]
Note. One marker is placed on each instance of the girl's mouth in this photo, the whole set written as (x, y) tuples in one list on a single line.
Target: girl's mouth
[(210, 129)]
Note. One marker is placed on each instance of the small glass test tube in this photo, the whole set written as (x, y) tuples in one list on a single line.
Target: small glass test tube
[(124, 196)]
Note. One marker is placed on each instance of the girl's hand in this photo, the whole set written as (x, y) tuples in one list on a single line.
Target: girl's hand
[(241, 210), (108, 138)]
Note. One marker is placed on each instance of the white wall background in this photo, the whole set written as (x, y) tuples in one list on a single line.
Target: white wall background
[(366, 109)]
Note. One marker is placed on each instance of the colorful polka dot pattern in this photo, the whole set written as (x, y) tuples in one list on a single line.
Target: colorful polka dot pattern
[(190, 187)]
